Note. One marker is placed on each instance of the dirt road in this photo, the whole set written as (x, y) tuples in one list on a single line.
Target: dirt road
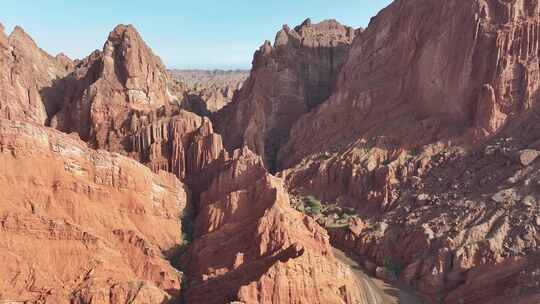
[(378, 291)]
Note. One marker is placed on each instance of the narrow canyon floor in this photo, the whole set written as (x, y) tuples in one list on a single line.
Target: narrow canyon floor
[(379, 291)]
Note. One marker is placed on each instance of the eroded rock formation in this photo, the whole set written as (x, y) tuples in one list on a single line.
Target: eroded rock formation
[(468, 232), (108, 87), (399, 75), (432, 148), (80, 226), (287, 80), (30, 79), (408, 103), (404, 96), (101, 223), (253, 247)]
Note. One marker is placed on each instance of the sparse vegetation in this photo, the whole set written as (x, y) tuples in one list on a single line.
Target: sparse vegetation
[(312, 205), (349, 211), (392, 265), (329, 215), (187, 228), (187, 239)]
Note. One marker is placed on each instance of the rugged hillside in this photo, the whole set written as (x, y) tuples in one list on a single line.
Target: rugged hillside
[(30, 89), (468, 231), (405, 73), (287, 80), (110, 87), (205, 91), (414, 142), (55, 186), (404, 141), (252, 247), (404, 95), (80, 226), (234, 192)]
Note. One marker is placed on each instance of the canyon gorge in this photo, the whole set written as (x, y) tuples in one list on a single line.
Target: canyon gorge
[(396, 163)]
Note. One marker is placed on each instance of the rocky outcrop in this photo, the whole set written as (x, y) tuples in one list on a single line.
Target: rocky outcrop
[(404, 140), (83, 226), (109, 86), (184, 144), (252, 247), (163, 144), (287, 80), (235, 196), (30, 79), (432, 147), (405, 95), (403, 72), (117, 100), (466, 233)]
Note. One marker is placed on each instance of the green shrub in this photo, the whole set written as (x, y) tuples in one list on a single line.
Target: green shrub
[(187, 239), (349, 211), (187, 227), (393, 265), (313, 205), (185, 284)]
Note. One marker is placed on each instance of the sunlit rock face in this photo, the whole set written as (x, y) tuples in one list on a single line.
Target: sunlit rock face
[(30, 79), (406, 139), (252, 247), (424, 126), (107, 88), (82, 226), (287, 80), (408, 69), (97, 226)]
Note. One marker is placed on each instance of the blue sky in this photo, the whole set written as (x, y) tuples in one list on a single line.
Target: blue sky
[(185, 34)]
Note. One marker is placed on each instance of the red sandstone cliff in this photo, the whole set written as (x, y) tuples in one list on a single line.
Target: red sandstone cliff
[(108, 87), (432, 145), (287, 80), (30, 86), (117, 100), (80, 226), (405, 70), (253, 247), (424, 87)]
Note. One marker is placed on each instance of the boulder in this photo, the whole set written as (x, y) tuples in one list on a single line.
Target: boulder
[(527, 157)]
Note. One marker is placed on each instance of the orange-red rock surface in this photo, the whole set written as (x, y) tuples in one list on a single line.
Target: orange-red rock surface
[(404, 141), (30, 86), (422, 127), (87, 226), (246, 233), (252, 247), (405, 81), (83, 226), (110, 87), (287, 80)]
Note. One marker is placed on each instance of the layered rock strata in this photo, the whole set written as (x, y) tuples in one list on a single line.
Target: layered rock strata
[(287, 80), (252, 247), (405, 141), (30, 79), (83, 226), (108, 87)]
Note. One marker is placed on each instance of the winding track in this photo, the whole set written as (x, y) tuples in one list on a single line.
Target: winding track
[(377, 291)]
